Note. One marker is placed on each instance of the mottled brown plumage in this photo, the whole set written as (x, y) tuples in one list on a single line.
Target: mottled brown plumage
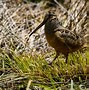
[(61, 39)]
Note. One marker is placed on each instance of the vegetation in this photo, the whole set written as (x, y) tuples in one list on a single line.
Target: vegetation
[(26, 68)]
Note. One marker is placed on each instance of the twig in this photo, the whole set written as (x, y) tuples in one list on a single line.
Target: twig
[(61, 6)]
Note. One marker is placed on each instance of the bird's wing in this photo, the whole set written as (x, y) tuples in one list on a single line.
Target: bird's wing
[(66, 36)]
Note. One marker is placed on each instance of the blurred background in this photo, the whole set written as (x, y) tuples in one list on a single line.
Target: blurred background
[(19, 17)]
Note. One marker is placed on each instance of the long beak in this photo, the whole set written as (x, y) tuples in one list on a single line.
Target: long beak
[(44, 21)]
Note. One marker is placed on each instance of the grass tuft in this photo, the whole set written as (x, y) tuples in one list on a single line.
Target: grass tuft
[(43, 75)]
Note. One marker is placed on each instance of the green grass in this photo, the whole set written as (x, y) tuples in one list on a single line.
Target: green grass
[(44, 75)]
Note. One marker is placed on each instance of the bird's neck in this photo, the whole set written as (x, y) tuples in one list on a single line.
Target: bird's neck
[(51, 25)]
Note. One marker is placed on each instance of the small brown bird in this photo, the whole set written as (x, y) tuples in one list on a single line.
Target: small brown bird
[(61, 39)]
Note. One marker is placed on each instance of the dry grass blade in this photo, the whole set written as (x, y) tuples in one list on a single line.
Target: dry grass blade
[(28, 85)]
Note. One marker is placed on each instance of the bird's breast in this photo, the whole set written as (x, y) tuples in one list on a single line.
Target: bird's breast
[(56, 43)]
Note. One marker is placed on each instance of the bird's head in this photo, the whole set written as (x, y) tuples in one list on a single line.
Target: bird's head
[(48, 16)]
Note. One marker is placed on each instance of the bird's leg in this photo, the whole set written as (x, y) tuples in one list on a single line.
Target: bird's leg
[(57, 54), (66, 58)]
